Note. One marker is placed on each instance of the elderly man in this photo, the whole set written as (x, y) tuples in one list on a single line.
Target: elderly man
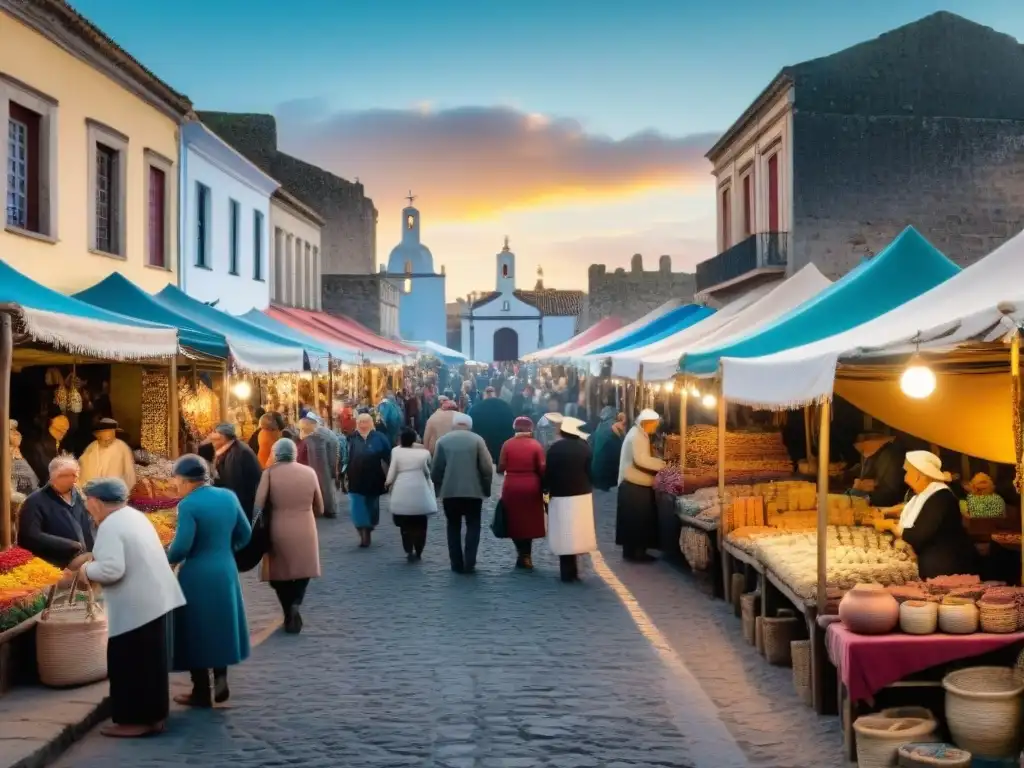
[(53, 523), (320, 450), (462, 474), (107, 456)]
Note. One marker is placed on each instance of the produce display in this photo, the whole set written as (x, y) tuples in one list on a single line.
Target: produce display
[(165, 523), (24, 579)]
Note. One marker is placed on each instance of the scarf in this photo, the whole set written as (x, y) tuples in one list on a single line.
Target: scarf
[(913, 507)]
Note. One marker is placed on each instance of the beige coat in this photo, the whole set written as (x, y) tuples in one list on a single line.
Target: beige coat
[(295, 504), (438, 425), (636, 464)]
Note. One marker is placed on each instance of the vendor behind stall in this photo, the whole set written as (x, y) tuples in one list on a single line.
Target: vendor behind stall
[(930, 521), (107, 456), (881, 469)]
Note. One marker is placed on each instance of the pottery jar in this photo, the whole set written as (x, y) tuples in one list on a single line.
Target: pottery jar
[(869, 609)]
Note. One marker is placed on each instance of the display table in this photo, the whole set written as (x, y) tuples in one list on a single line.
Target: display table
[(868, 663)]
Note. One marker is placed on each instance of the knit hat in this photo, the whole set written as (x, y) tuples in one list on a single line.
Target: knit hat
[(227, 430), (523, 424), (109, 490), (192, 468)]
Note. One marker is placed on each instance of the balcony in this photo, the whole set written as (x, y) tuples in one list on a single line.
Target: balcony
[(760, 254)]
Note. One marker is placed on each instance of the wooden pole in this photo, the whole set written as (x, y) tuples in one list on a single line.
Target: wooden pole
[(684, 398), (1015, 373), (330, 392), (6, 364), (172, 443), (225, 390), (726, 573), (824, 438), (640, 400), (807, 438), (315, 380)]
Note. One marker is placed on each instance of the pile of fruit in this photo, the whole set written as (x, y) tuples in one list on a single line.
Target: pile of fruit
[(165, 523), (23, 583)]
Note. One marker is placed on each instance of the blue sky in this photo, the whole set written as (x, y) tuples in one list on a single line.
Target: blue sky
[(604, 70)]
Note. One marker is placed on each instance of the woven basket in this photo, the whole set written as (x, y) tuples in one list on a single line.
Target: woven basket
[(879, 738), (71, 641), (696, 547), (983, 710), (750, 607), (917, 755), (779, 633), (739, 586), (800, 652), (998, 618), (958, 618), (901, 713), (918, 617), (759, 635)]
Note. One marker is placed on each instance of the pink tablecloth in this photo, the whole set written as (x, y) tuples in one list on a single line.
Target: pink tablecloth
[(868, 663)]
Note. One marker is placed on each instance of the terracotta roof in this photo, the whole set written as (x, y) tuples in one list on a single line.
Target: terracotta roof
[(550, 302), (63, 14)]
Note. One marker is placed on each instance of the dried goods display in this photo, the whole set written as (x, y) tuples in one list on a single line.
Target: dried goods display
[(835, 468), (746, 452), (673, 449), (165, 523), (156, 386), (669, 480), (200, 408)]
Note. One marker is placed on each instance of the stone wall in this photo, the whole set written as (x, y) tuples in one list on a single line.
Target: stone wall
[(858, 181), (349, 235), (363, 298), (630, 295)]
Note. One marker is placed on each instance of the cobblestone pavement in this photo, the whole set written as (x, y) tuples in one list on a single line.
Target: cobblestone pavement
[(412, 665)]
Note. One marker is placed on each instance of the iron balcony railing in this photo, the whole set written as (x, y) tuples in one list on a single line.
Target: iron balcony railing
[(765, 249)]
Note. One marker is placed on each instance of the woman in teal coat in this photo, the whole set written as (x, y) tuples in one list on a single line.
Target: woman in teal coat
[(210, 631)]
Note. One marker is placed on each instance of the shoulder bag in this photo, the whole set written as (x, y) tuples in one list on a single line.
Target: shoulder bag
[(499, 523), (249, 556)]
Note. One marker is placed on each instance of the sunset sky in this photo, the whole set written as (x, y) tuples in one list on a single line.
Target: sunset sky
[(576, 127)]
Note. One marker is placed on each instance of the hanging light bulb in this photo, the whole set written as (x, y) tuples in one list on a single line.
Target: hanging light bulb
[(668, 386), (709, 401), (694, 392), (242, 390), (918, 380)]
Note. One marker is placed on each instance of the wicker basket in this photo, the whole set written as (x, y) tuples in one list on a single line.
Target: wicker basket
[(696, 547), (918, 755), (879, 738), (958, 618), (998, 618), (918, 617), (71, 641), (800, 652), (750, 607), (983, 710), (779, 633), (759, 635), (739, 586)]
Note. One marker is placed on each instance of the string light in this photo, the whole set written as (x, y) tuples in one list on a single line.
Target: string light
[(242, 390), (668, 386), (694, 392), (709, 401)]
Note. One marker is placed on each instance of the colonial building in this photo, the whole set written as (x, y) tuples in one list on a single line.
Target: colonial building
[(421, 309), (225, 220), (506, 323), (294, 252), (923, 125), (91, 156)]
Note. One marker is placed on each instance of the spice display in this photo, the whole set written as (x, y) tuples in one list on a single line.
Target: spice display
[(33, 575), (155, 412), (744, 451), (669, 480), (200, 408), (165, 523)]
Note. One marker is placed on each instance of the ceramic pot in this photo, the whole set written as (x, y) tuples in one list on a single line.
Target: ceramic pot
[(868, 609), (918, 617)]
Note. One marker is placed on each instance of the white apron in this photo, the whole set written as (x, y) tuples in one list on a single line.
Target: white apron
[(571, 528)]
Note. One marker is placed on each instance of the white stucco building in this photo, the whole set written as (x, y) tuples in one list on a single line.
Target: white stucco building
[(295, 268), (224, 223), (506, 323), (421, 304)]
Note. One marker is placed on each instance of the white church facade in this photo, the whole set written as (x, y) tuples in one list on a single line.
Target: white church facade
[(421, 305), (506, 323)]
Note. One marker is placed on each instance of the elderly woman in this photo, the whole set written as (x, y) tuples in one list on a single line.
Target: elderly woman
[(237, 467), (271, 427), (320, 450), (139, 591), (290, 493), (210, 631), (369, 454), (571, 529), (522, 494), (606, 449), (636, 516), (412, 496)]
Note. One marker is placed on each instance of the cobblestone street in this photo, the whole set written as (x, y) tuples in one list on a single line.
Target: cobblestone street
[(411, 665)]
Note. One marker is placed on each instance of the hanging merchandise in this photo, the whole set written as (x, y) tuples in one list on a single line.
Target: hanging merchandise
[(74, 385), (199, 408), (155, 412)]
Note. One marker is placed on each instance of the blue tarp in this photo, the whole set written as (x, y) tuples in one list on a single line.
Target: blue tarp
[(906, 268), (658, 329), (342, 354), (444, 354), (118, 294)]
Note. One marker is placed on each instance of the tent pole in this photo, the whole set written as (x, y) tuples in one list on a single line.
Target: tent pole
[(330, 391), (823, 461), (225, 389), (684, 397), (640, 401), (807, 438), (1015, 388), (6, 360), (172, 410), (723, 517)]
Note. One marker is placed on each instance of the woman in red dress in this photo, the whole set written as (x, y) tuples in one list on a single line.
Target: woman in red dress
[(522, 494)]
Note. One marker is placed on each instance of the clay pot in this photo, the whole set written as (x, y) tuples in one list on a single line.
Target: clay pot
[(868, 609)]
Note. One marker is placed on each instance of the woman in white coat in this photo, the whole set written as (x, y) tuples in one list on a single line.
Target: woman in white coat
[(636, 516), (412, 495), (571, 530)]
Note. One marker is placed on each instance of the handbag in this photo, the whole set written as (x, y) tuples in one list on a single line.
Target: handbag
[(249, 556), (499, 523)]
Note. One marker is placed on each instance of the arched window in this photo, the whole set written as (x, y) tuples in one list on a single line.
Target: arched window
[(504, 270), (408, 285), (408, 267), (410, 221)]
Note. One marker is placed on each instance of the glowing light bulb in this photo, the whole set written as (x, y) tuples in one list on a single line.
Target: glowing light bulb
[(668, 386), (918, 380), (242, 390), (709, 401), (694, 392)]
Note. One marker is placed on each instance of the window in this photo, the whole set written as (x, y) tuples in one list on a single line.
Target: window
[(504, 306), (23, 168), (202, 226), (504, 270), (307, 262), (408, 285), (29, 159), (726, 219), (257, 245), (773, 193), (156, 239), (408, 267), (410, 221), (108, 150), (748, 206), (235, 213), (317, 288), (277, 267)]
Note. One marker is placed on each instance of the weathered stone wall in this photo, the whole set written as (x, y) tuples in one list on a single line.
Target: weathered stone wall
[(630, 295), (363, 298), (858, 181)]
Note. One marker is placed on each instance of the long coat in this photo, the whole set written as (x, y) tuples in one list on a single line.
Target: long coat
[(210, 630), (522, 462), (239, 470), (409, 479), (295, 503), (367, 463), (939, 540), (607, 448), (321, 452), (492, 420), (571, 528)]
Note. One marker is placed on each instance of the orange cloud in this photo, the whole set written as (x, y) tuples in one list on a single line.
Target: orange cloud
[(473, 162)]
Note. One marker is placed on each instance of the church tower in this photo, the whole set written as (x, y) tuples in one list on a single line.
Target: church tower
[(506, 270), (421, 307)]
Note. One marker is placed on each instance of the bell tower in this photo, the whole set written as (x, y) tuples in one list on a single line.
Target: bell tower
[(505, 281), (411, 222)]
